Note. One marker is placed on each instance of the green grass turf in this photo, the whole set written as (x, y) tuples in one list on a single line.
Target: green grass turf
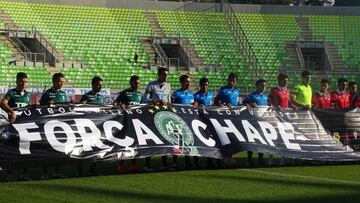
[(331, 183)]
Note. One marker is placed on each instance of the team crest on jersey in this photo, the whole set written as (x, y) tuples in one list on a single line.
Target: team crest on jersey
[(175, 130)]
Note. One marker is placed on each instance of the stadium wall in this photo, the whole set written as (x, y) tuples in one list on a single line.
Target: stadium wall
[(209, 7)]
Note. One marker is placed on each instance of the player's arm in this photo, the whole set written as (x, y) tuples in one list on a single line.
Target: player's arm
[(45, 99), (83, 99), (268, 103), (315, 102), (273, 100), (357, 102), (333, 100), (168, 99), (6, 107), (66, 100), (116, 101), (120, 101), (296, 103), (217, 99), (122, 105), (293, 98), (249, 102), (173, 97), (212, 101), (253, 105), (148, 95), (196, 104)]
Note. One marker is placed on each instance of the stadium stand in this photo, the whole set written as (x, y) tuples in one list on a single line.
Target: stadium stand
[(105, 39), (344, 31), (268, 35), (39, 76), (212, 40)]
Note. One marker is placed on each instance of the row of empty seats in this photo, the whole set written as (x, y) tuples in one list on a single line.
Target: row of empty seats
[(107, 38), (344, 32)]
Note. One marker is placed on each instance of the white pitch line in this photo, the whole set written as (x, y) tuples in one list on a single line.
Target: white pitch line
[(300, 176)]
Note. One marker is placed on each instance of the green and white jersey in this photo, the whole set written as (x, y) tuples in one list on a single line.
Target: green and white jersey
[(57, 96), (92, 98), (129, 97), (17, 99)]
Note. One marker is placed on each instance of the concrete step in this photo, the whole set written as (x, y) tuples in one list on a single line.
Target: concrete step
[(292, 53)]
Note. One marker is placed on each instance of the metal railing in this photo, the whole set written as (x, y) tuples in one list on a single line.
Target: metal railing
[(162, 58), (36, 57), (58, 57), (244, 44), (20, 46), (14, 30), (186, 4), (318, 39), (171, 62), (329, 63), (300, 55), (14, 34), (161, 54), (197, 6), (190, 63)]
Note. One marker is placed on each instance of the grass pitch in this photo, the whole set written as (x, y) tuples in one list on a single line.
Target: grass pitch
[(330, 183)]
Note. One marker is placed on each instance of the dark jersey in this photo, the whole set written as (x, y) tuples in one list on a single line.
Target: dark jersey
[(129, 97), (92, 98), (57, 96), (17, 99)]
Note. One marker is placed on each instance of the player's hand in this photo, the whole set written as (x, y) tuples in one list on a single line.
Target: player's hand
[(122, 106), (196, 105), (12, 117), (162, 103), (157, 102)]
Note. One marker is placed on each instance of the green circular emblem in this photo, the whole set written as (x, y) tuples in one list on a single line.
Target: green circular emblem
[(173, 128)]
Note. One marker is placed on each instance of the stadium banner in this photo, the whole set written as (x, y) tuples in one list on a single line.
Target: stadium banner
[(49, 133), (285, 132), (73, 132), (343, 124)]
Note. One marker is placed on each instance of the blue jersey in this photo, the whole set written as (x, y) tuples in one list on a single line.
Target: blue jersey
[(183, 97), (259, 99), (205, 99), (229, 95)]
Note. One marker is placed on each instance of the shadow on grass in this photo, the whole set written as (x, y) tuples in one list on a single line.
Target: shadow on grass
[(342, 192), (286, 181), (125, 196)]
